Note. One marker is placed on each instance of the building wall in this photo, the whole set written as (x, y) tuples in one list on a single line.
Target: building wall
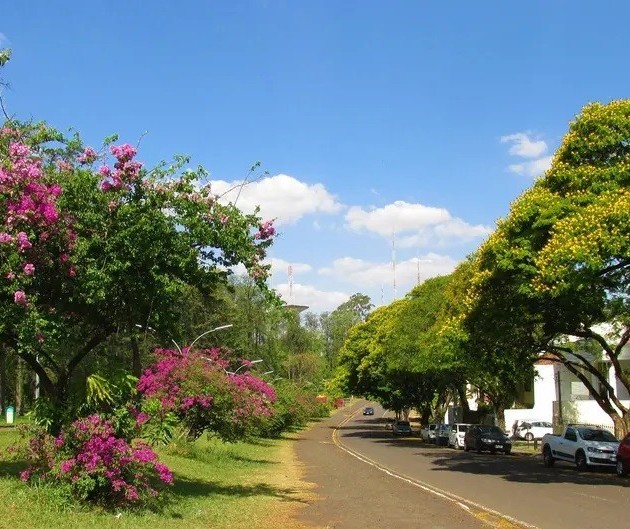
[(544, 396)]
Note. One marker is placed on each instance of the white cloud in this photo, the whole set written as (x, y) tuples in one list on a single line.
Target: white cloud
[(368, 274), (534, 168), (423, 224), (524, 146), (281, 197), (316, 300), (280, 266)]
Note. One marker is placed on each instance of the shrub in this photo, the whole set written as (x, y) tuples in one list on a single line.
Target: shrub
[(93, 464), (203, 395)]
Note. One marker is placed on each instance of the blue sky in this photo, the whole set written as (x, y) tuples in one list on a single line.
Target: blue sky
[(419, 121)]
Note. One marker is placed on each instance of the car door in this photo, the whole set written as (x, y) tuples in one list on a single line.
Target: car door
[(567, 444)]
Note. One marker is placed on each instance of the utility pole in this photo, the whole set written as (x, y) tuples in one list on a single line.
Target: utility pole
[(394, 262)]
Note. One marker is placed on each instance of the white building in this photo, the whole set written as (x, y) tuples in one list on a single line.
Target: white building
[(558, 396)]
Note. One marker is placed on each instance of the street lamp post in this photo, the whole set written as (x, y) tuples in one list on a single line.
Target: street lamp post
[(208, 332), (251, 362), (220, 327)]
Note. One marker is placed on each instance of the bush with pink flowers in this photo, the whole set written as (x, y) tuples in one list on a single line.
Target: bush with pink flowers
[(200, 390), (93, 464)]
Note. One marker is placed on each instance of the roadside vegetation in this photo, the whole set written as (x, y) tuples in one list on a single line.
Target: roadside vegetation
[(222, 485), (549, 278)]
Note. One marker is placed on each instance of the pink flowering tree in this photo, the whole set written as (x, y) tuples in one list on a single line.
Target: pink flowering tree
[(92, 243), (198, 388)]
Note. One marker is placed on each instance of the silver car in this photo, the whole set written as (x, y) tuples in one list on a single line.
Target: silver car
[(456, 435)]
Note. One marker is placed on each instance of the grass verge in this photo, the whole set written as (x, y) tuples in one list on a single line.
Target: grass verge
[(236, 486)]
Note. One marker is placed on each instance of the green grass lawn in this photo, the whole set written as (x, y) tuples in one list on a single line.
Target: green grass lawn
[(217, 485)]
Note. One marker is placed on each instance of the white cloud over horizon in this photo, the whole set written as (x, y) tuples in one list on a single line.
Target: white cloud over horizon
[(422, 224), (367, 274), (316, 300), (280, 197), (534, 151)]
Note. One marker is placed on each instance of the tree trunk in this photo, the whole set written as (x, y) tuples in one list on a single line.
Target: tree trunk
[(461, 391), (3, 379), (622, 425), (136, 363), (19, 381)]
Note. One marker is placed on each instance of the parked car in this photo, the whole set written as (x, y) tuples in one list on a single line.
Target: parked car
[(531, 430), (368, 410), (583, 445), (428, 433), (442, 432), (623, 456), (456, 435), (480, 437), (401, 428)]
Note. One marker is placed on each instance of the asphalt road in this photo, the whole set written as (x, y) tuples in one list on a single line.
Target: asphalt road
[(517, 486), (355, 495)]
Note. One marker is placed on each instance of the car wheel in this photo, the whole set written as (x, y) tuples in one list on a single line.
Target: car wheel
[(620, 470), (466, 449), (493, 451), (548, 459), (507, 451), (529, 436), (479, 448), (580, 461)]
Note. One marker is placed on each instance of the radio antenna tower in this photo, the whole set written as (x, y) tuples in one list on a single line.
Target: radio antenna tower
[(394, 262), (290, 284)]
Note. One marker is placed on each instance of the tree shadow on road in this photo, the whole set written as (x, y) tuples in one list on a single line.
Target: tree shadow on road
[(523, 469)]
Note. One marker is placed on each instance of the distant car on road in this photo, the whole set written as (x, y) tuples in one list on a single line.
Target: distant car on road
[(457, 434), (442, 433), (368, 410), (401, 428), (487, 438), (427, 432), (623, 456), (531, 430)]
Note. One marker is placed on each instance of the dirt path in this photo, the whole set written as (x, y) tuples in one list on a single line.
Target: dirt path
[(353, 495)]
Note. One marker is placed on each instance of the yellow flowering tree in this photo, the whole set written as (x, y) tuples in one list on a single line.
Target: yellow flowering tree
[(556, 269)]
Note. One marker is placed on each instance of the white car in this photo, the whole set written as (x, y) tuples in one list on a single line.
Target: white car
[(428, 433), (456, 435), (533, 430)]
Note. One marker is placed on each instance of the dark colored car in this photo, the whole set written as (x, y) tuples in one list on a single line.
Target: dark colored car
[(401, 428), (488, 438), (623, 456), (368, 411)]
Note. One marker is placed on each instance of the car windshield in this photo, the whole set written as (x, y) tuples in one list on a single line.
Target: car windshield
[(490, 429), (590, 434), (403, 423), (462, 428)]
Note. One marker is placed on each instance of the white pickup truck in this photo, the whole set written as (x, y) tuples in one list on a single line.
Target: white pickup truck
[(583, 445)]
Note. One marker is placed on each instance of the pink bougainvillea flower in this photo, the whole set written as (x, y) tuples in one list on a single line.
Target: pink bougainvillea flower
[(29, 269), (89, 155), (19, 297), (23, 242)]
